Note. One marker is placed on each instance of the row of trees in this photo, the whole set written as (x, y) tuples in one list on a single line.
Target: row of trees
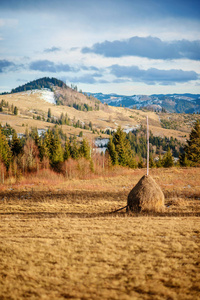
[(44, 82), (124, 149), (65, 120), (78, 106), (32, 152), (35, 149), (11, 108), (121, 152), (158, 144)]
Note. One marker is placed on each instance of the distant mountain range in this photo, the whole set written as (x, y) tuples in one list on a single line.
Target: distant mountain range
[(179, 103)]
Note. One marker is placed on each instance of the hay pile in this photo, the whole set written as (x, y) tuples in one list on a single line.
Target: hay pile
[(146, 196)]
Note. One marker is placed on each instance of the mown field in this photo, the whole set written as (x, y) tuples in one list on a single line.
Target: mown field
[(60, 241)]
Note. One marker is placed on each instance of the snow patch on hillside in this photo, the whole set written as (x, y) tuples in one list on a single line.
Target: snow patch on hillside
[(128, 129), (48, 96), (44, 94), (100, 143)]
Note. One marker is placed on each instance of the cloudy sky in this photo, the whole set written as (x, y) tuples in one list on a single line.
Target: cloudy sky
[(112, 46)]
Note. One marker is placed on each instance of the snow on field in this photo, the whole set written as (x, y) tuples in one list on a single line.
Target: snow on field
[(101, 142), (48, 96), (41, 131), (127, 130), (45, 94), (101, 145)]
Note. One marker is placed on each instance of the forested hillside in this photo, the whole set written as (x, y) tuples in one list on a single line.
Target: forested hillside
[(44, 82)]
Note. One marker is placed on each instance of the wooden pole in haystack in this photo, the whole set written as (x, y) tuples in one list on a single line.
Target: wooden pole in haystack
[(147, 147), (146, 194)]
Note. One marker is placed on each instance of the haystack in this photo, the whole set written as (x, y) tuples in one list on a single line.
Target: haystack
[(146, 196)]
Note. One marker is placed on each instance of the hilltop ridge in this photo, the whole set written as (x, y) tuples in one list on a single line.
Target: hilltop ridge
[(40, 83), (63, 94)]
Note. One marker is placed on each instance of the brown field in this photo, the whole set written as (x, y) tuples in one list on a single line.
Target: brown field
[(58, 240)]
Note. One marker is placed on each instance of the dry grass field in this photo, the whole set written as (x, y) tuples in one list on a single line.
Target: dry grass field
[(59, 241)]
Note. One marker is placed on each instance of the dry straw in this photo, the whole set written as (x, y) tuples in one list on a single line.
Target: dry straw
[(146, 196)]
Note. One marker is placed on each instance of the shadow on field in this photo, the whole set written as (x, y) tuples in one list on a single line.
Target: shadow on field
[(83, 195), (44, 196), (82, 215)]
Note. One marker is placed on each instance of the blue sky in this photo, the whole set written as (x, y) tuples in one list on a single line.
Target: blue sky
[(112, 46)]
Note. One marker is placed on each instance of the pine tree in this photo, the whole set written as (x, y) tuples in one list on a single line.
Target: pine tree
[(85, 149), (112, 152), (36, 138), (140, 163), (168, 159), (16, 145), (183, 160), (49, 113), (123, 148), (5, 151), (192, 149), (90, 125), (151, 161), (74, 150), (56, 150), (46, 144), (15, 110), (43, 151), (53, 148), (67, 150)]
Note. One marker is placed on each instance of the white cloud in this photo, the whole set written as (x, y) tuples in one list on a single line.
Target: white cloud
[(9, 22), (29, 27)]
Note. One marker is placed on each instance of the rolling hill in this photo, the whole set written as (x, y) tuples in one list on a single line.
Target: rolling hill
[(76, 111), (63, 94)]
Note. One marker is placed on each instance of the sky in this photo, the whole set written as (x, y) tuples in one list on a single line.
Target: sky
[(126, 47)]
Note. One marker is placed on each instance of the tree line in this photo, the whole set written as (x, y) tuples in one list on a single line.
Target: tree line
[(52, 149), (131, 149), (44, 82), (158, 145), (31, 151), (123, 151)]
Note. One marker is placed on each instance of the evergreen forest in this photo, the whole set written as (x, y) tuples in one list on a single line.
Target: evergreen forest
[(44, 82), (53, 149)]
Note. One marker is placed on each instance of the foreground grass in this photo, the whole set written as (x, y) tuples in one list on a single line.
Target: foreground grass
[(59, 242)]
